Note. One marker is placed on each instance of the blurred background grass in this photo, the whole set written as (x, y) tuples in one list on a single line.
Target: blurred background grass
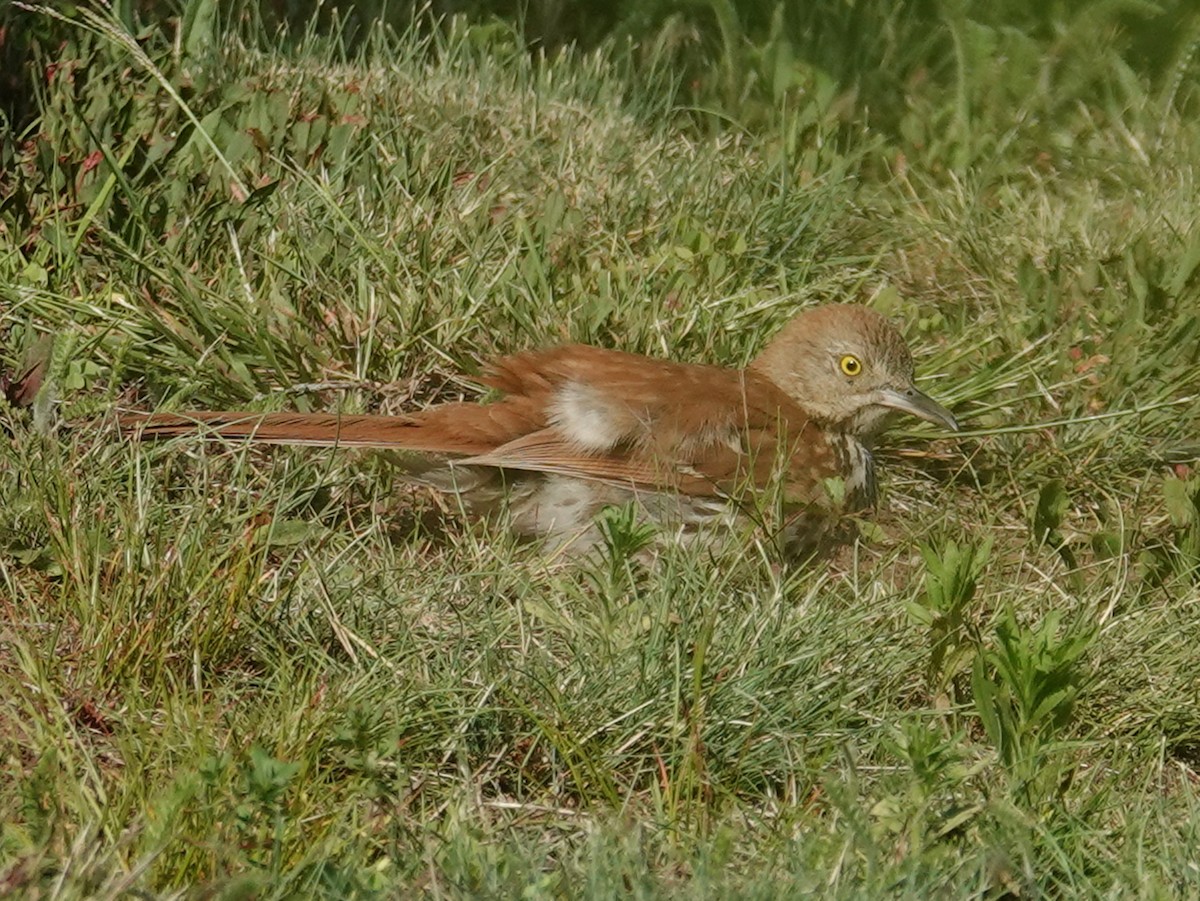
[(909, 70)]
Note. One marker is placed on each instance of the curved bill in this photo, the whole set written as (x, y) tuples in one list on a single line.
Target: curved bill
[(918, 403)]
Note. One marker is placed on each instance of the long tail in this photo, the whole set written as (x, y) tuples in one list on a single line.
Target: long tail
[(311, 429), (457, 429)]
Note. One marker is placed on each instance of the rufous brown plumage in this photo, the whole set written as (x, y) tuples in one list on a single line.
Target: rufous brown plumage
[(578, 428)]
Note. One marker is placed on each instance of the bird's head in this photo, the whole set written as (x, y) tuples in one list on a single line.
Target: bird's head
[(849, 368)]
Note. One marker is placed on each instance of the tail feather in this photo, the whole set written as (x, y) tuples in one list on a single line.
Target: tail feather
[(415, 433)]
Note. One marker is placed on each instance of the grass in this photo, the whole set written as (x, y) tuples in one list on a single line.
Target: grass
[(235, 672)]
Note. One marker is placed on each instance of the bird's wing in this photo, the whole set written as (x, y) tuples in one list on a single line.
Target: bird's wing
[(602, 399), (721, 464), (692, 428), (548, 451)]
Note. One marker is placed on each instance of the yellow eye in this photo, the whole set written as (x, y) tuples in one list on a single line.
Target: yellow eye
[(851, 365)]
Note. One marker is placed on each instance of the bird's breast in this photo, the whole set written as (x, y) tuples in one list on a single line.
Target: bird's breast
[(857, 467)]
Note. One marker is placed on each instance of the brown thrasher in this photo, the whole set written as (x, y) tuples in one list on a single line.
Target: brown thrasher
[(579, 428)]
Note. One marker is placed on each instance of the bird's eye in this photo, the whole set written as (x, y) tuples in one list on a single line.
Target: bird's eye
[(851, 365)]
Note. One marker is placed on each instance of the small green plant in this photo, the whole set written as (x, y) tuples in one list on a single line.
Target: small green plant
[(1178, 556), (625, 532), (1052, 505), (935, 803), (951, 577), (262, 814), (1025, 687)]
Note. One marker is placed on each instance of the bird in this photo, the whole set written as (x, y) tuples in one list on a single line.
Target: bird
[(577, 429)]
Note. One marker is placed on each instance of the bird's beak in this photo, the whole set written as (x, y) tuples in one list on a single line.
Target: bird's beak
[(910, 400)]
